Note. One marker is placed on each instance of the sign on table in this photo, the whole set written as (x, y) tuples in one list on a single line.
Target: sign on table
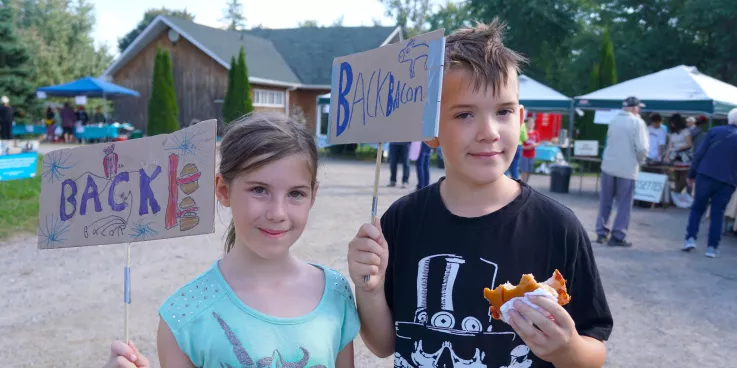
[(605, 116), (389, 94), (586, 148), (18, 159), (143, 189), (649, 187)]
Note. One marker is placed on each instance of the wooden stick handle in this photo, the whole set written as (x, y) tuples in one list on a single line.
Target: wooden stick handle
[(127, 287), (375, 202)]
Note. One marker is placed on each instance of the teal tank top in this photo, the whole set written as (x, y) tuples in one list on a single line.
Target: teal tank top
[(217, 330)]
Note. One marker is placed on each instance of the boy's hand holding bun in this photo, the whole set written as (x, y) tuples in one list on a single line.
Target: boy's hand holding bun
[(555, 339), (368, 254), (124, 355)]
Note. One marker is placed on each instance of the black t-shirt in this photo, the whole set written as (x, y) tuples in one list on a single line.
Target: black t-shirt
[(440, 263)]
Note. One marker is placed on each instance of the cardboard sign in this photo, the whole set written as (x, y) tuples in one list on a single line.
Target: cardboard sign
[(18, 159), (649, 187), (586, 148), (389, 94), (143, 189)]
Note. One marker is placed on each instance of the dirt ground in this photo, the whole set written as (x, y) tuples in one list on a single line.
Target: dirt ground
[(62, 308)]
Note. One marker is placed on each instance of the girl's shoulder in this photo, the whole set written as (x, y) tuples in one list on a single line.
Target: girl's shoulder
[(192, 299), (336, 283)]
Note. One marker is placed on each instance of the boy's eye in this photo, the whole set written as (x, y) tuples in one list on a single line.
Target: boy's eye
[(505, 112), (463, 115), (296, 194)]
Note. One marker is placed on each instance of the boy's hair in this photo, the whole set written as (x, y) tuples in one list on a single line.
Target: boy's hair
[(656, 118), (258, 139), (481, 50)]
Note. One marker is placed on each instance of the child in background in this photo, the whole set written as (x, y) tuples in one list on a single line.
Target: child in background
[(435, 250), (527, 164), (259, 305)]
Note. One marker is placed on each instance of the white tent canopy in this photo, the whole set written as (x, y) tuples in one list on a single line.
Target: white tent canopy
[(678, 89)]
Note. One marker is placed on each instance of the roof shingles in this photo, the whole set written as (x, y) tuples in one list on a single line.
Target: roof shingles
[(296, 55)]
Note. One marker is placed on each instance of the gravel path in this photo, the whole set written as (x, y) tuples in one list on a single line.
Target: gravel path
[(62, 308)]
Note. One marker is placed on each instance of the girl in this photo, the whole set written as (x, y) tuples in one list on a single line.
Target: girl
[(259, 306)]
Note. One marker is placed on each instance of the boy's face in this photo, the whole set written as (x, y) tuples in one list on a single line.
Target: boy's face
[(479, 132)]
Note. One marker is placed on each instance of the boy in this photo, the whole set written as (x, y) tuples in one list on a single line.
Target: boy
[(527, 164), (472, 229)]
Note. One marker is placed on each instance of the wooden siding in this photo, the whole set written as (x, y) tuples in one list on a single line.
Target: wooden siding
[(198, 80), (307, 100), (200, 83)]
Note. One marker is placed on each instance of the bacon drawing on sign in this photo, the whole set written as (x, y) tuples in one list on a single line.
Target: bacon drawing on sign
[(183, 213)]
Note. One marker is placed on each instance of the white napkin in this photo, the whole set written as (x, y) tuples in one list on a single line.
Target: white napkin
[(509, 305)]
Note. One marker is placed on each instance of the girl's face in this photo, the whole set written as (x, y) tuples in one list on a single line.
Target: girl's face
[(269, 205)]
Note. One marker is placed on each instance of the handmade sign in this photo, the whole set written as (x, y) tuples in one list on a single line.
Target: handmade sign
[(389, 94), (649, 187), (18, 159), (143, 189)]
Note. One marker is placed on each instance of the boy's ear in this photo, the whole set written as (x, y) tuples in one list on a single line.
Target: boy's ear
[(433, 143), (222, 190), (522, 114)]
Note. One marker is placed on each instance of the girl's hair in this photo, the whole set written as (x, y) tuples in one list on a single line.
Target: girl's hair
[(258, 139), (677, 123)]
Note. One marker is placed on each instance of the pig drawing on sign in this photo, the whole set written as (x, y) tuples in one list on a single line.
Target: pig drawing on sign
[(413, 52)]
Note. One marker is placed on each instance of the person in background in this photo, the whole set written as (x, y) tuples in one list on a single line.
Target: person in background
[(399, 152), (714, 169), (82, 116), (67, 122), (423, 166), (99, 117), (679, 149), (6, 118), (513, 170), (697, 131), (657, 138), (527, 162), (626, 150), (50, 123)]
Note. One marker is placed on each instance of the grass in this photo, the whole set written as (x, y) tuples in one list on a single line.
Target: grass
[(19, 204)]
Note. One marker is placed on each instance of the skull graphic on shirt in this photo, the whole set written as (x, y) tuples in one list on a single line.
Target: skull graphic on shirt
[(453, 336)]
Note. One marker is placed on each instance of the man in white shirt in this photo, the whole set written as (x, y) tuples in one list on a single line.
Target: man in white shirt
[(657, 138), (626, 149)]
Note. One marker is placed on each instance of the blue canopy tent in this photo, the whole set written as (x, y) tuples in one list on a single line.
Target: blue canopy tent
[(89, 87)]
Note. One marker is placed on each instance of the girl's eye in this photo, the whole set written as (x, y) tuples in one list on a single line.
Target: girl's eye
[(259, 190), (463, 115), (296, 194)]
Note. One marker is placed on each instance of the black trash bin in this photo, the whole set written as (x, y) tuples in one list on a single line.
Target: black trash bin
[(560, 178)]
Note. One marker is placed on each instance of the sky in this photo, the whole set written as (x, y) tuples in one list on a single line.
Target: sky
[(115, 18)]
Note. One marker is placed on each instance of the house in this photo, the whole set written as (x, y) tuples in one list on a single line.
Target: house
[(288, 68)]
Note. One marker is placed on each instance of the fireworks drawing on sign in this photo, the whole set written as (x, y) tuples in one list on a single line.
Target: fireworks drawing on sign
[(141, 231), (187, 144), (52, 232), (55, 163)]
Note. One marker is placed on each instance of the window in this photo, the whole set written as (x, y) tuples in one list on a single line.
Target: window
[(269, 98)]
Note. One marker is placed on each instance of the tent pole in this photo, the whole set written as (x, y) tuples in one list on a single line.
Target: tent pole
[(104, 106), (571, 113)]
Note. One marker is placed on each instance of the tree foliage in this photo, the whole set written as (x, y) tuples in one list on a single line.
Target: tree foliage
[(233, 15), (162, 107), (149, 17), (238, 99), (16, 72), (58, 37), (563, 38)]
